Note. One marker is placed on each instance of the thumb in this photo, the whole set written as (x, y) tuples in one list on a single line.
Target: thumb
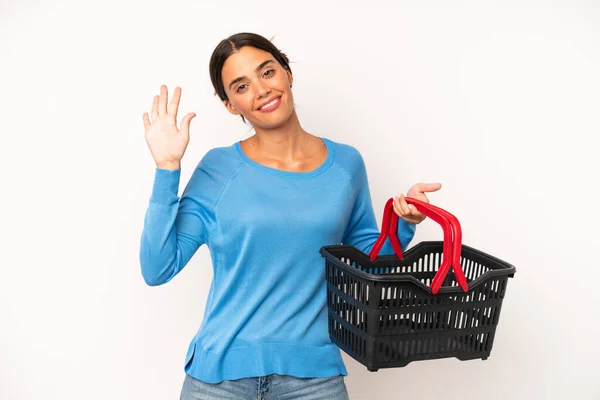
[(185, 123), (147, 123)]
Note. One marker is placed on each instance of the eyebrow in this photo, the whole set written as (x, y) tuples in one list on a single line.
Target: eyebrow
[(241, 78)]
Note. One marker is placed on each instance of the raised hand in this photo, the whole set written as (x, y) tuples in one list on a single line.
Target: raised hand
[(167, 143), (408, 212)]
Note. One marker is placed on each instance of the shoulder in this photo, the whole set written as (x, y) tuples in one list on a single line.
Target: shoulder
[(345, 152), (215, 169), (349, 159), (220, 162), (225, 156)]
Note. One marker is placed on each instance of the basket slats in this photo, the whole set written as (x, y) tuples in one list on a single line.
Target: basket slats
[(384, 315)]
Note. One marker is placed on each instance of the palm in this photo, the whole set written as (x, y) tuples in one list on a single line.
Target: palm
[(415, 194), (167, 143)]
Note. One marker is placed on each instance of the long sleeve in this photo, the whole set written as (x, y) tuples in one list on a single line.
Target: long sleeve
[(362, 230), (174, 228), (266, 310)]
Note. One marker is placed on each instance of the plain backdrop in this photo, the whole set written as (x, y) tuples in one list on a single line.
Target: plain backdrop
[(499, 101)]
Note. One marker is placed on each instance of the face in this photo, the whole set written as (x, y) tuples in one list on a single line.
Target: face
[(258, 88)]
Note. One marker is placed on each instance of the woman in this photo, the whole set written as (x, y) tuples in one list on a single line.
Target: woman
[(264, 206)]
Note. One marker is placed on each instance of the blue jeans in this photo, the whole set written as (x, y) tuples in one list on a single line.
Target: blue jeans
[(270, 387)]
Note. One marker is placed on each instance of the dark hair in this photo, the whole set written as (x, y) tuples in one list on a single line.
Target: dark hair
[(233, 44)]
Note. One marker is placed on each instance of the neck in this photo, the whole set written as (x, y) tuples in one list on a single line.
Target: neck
[(282, 142)]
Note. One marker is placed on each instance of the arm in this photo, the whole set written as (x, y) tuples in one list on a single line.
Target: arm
[(174, 228), (362, 230)]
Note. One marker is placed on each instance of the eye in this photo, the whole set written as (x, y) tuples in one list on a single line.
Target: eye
[(269, 73), (241, 88)]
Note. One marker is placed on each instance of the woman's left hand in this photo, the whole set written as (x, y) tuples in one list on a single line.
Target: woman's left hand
[(408, 212)]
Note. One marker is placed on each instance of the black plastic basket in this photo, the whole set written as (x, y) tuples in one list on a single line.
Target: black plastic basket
[(384, 313)]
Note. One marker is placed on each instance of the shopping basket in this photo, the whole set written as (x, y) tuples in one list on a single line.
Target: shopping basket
[(440, 299)]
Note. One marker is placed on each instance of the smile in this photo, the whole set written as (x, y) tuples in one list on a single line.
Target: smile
[(270, 106)]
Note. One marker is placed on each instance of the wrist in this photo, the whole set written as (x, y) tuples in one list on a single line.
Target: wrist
[(169, 165)]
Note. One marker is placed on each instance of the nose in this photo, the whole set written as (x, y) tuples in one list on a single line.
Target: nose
[(262, 90)]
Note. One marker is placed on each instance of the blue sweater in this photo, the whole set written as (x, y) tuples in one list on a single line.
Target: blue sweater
[(266, 310)]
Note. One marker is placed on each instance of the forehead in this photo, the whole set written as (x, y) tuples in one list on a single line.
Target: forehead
[(244, 62)]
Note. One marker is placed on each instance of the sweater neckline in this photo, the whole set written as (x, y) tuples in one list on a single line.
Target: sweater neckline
[(324, 165)]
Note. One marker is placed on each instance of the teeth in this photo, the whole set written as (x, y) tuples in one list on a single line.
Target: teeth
[(270, 104)]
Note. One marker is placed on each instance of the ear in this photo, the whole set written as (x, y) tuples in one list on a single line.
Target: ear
[(230, 107), (290, 77)]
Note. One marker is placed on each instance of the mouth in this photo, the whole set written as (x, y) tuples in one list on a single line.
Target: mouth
[(270, 105)]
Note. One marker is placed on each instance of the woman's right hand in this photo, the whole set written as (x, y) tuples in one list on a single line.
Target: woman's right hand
[(167, 143)]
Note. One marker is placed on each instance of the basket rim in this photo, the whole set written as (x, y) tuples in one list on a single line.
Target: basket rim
[(384, 261)]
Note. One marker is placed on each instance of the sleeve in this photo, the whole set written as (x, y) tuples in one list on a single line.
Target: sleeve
[(174, 228), (362, 230)]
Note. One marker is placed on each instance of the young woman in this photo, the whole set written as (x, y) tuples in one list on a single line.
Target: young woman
[(264, 206)]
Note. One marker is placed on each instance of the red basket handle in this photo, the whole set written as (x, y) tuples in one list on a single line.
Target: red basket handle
[(452, 239), (390, 226), (456, 248)]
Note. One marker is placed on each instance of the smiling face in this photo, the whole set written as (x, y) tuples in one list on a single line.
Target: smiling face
[(258, 88)]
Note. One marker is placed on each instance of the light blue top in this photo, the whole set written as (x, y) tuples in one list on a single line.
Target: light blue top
[(266, 310)]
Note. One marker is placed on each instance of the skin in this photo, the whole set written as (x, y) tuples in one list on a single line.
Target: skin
[(280, 141), (251, 78)]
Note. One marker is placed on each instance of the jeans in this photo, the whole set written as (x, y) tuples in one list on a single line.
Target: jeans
[(270, 387)]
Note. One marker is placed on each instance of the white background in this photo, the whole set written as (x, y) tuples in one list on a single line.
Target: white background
[(498, 101)]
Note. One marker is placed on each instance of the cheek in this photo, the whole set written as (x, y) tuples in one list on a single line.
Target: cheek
[(243, 103)]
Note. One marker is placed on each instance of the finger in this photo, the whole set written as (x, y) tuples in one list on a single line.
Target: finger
[(428, 187), (174, 105), (411, 210), (414, 212), (185, 124), (400, 213), (403, 205), (154, 108), (162, 101), (146, 121)]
